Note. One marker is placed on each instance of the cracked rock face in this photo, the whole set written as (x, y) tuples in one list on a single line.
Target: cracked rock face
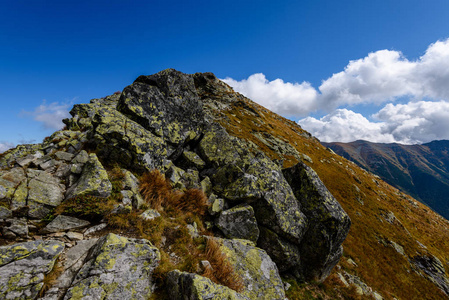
[(23, 267)]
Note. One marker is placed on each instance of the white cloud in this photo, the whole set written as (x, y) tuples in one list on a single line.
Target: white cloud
[(50, 115), (381, 76), (416, 122), (5, 146), (285, 98), (411, 123), (344, 125), (386, 75)]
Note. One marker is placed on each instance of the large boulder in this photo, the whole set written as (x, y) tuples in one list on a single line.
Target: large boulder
[(166, 104), (328, 223), (23, 267), (116, 268), (239, 223)]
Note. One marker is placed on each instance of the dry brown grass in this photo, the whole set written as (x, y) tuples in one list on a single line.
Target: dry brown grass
[(155, 189), (222, 271), (340, 176), (51, 278)]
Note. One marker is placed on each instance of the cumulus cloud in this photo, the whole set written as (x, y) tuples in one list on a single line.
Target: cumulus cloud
[(290, 99), (416, 122), (50, 115), (344, 125), (411, 123), (386, 75), (5, 146), (381, 76)]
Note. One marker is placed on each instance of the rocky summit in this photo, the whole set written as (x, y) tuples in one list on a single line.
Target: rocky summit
[(180, 188)]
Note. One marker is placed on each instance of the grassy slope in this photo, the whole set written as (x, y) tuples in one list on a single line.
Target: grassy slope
[(379, 266)]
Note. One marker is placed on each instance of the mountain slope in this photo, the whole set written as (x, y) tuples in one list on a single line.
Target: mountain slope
[(419, 170), (261, 173)]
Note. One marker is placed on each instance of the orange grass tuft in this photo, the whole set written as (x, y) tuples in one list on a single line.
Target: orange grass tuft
[(222, 271)]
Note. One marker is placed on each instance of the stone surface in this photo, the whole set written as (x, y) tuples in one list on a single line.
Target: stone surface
[(433, 270), (183, 285), (239, 223), (63, 223), (150, 214), (259, 273), (328, 222), (23, 267), (18, 227), (93, 181), (5, 213), (166, 104), (116, 268)]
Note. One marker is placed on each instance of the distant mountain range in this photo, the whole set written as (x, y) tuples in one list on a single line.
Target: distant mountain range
[(419, 170)]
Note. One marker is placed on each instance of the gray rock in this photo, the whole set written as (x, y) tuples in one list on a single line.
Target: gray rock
[(63, 223), (150, 214), (183, 285), (23, 267), (216, 205), (259, 273), (18, 227), (74, 236), (93, 181), (74, 260), (95, 228), (116, 268), (44, 189), (433, 269), (5, 213), (61, 155), (328, 222), (192, 160), (166, 104), (81, 158), (239, 223)]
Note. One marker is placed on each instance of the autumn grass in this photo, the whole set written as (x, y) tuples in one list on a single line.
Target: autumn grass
[(170, 234), (377, 264)]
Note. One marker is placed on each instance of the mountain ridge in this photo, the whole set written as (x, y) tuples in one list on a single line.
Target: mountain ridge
[(419, 170), (136, 168)]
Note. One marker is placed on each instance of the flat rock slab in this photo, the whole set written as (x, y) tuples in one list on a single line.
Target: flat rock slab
[(63, 223), (24, 265)]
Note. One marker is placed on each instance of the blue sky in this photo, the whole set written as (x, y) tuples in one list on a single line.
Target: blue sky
[(54, 54)]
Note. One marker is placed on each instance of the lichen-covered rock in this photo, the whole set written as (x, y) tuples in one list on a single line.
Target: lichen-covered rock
[(17, 227), (14, 187), (165, 103), (23, 267), (328, 222), (63, 223), (93, 181), (242, 176), (284, 253), (192, 160), (259, 273), (44, 190), (9, 158), (183, 285), (239, 223), (116, 268)]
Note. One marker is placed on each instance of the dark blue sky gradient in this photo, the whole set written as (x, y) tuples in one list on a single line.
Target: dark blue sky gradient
[(77, 50)]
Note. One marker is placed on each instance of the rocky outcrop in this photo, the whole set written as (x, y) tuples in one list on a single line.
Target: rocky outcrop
[(328, 223), (275, 220)]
